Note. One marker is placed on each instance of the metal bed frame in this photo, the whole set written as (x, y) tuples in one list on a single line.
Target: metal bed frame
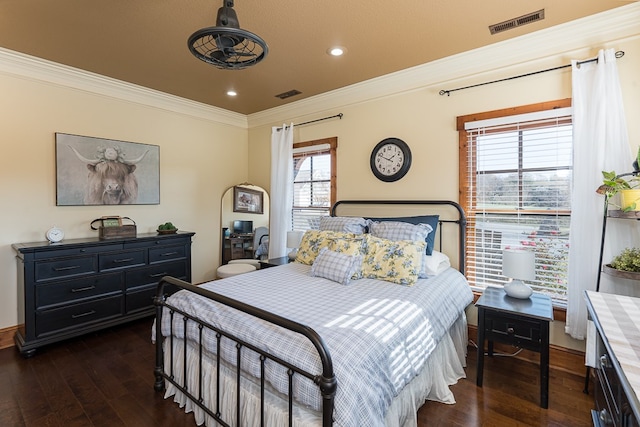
[(326, 381)]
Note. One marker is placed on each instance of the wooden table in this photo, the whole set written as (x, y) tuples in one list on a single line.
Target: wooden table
[(522, 323)]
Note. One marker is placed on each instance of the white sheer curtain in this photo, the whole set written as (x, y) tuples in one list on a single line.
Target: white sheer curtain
[(281, 197), (600, 144)]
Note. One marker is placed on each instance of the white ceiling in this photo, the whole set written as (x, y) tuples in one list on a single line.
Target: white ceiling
[(144, 42)]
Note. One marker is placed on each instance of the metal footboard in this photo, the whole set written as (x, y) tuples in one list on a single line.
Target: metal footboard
[(326, 381)]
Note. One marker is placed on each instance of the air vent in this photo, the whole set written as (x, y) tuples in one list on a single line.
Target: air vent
[(516, 22), (288, 94)]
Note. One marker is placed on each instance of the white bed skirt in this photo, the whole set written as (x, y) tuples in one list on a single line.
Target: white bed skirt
[(444, 367)]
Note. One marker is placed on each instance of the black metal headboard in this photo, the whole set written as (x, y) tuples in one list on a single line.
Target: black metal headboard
[(458, 217)]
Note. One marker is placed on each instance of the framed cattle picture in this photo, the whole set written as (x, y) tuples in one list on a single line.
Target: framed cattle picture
[(99, 171)]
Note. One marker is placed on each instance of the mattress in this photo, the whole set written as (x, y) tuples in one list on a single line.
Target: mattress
[(380, 334)]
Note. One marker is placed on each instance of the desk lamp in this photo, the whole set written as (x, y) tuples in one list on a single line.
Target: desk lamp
[(519, 265), (293, 241)]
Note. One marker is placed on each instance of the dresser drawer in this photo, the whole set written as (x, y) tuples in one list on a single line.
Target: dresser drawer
[(166, 253), (118, 260), (142, 298), (152, 275), (519, 332), (65, 267), (606, 412), (165, 240), (70, 291), (68, 252), (77, 315)]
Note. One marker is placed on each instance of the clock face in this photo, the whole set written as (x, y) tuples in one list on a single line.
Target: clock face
[(390, 159), (54, 234)]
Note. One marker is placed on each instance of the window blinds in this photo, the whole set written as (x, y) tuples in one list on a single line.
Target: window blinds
[(517, 194)]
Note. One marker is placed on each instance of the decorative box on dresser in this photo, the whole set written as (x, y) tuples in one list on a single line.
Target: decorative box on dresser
[(617, 322), (78, 286)]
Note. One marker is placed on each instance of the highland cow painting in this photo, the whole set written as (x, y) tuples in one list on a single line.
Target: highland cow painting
[(98, 171)]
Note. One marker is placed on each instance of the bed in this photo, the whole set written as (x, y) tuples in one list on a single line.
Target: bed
[(294, 345)]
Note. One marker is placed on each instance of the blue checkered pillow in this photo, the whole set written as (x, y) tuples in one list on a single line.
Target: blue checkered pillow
[(395, 230), (336, 266), (346, 224)]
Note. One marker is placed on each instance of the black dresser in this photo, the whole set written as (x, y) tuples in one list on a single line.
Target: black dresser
[(617, 358), (78, 286)]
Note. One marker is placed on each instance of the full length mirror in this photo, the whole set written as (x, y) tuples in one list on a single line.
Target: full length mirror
[(245, 223)]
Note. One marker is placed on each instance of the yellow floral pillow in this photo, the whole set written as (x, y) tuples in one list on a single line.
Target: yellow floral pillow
[(314, 240), (393, 261)]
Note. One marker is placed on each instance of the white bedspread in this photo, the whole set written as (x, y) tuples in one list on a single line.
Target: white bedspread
[(379, 334)]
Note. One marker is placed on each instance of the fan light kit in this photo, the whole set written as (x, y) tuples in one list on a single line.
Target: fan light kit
[(227, 46)]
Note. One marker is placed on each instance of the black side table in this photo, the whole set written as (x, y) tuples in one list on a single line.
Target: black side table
[(274, 262), (520, 322)]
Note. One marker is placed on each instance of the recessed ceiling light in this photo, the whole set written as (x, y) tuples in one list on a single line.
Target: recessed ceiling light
[(336, 51), (232, 93)]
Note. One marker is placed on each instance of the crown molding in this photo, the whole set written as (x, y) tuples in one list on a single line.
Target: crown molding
[(24, 66), (550, 43)]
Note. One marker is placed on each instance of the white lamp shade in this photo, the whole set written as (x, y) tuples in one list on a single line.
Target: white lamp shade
[(294, 238), (519, 264)]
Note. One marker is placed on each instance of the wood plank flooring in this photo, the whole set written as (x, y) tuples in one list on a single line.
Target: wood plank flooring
[(106, 379)]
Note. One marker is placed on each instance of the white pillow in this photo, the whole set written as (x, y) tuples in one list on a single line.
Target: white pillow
[(434, 264), (336, 266)]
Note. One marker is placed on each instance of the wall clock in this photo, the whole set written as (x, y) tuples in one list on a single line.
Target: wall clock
[(390, 159)]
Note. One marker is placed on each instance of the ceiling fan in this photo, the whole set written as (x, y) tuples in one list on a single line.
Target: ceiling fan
[(227, 46)]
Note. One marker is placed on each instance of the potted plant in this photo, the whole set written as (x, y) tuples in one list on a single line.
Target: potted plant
[(167, 228), (626, 264), (626, 184)]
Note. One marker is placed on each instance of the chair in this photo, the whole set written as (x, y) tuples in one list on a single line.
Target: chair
[(259, 236)]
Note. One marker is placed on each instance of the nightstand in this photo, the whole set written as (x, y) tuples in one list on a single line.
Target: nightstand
[(274, 262), (522, 323)]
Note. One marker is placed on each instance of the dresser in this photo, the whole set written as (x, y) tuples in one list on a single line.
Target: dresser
[(617, 322), (78, 286)]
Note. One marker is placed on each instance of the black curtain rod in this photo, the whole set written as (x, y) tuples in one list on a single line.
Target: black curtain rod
[(316, 120), (619, 54)]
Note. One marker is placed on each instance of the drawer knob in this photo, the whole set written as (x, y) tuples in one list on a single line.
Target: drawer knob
[(510, 330), (605, 417)]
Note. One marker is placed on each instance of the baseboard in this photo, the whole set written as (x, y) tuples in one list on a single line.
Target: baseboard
[(6, 337), (560, 358)]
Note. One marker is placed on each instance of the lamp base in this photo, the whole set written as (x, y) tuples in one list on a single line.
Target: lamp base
[(293, 254), (518, 289)]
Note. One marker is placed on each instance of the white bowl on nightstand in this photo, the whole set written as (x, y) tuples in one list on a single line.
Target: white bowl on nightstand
[(518, 289)]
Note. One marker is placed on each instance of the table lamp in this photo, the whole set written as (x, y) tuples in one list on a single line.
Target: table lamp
[(519, 265), (293, 241)]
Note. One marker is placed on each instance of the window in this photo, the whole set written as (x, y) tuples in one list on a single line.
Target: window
[(515, 178), (314, 181)]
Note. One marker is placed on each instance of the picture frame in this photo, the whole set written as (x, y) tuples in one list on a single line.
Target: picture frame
[(246, 200), (100, 171)]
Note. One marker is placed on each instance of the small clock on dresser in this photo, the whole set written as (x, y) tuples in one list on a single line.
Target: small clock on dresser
[(390, 159), (54, 234)]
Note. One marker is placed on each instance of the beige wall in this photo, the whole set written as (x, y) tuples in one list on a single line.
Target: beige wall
[(405, 105), (192, 180), (426, 120)]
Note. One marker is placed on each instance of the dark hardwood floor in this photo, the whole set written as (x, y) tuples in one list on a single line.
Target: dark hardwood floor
[(106, 379)]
